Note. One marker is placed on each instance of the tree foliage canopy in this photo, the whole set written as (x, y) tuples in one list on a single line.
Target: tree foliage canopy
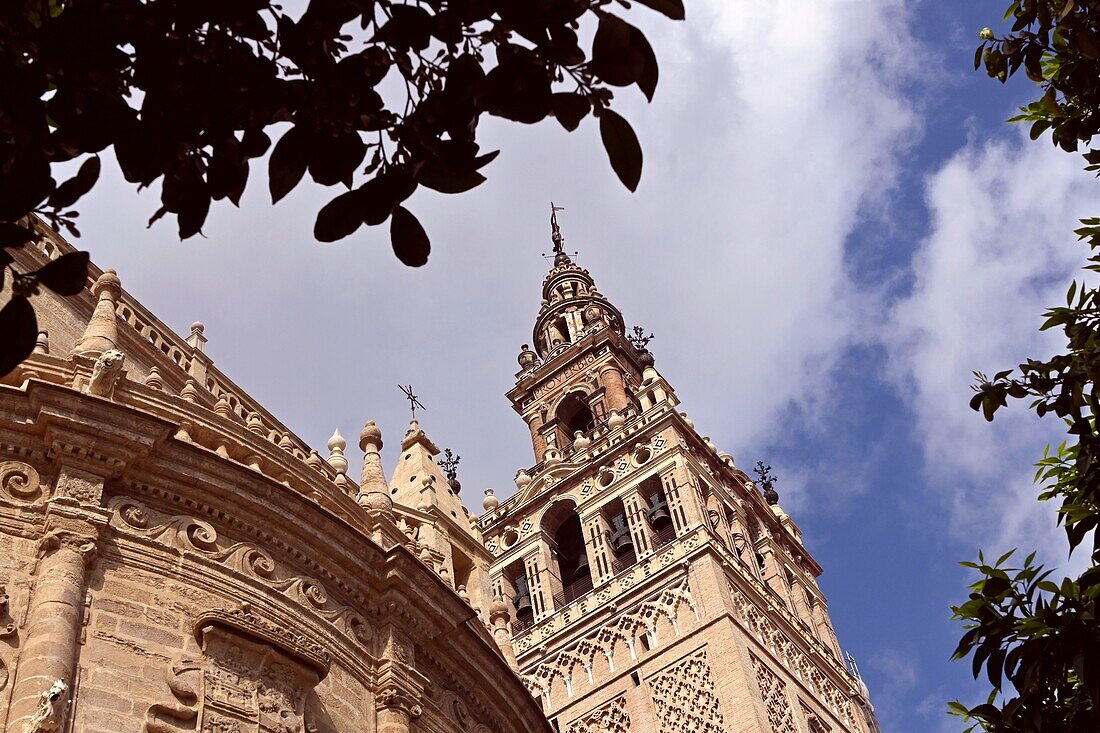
[(377, 97), (1038, 640)]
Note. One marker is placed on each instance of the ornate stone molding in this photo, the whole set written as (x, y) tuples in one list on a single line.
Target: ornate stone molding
[(184, 533), (20, 481), (247, 623)]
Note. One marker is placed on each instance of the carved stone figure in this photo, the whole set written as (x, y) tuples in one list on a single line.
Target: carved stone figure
[(51, 709), (105, 373)]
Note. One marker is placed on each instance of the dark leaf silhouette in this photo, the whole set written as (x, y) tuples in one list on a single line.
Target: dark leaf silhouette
[(339, 217), (410, 241), (19, 329), (672, 8), (71, 190), (570, 109), (14, 235), (67, 275), (288, 162), (622, 148)]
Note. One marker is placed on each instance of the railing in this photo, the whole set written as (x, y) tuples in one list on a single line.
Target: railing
[(573, 591), (522, 624), (664, 537)]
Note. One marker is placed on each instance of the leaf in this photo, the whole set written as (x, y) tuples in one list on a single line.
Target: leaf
[(674, 9), (339, 217), (68, 192), (288, 162), (439, 176), (13, 235), (622, 148), (408, 27), (569, 109), (18, 332), (67, 275), (410, 241)]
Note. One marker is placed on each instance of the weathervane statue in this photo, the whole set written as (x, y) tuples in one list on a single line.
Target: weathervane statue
[(559, 240)]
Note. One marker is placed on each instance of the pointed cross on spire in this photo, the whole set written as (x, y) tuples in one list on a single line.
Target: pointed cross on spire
[(414, 401)]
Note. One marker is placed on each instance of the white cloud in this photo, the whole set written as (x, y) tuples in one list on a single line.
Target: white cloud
[(1001, 250), (774, 126)]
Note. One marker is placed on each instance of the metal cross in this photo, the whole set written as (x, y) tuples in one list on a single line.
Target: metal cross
[(414, 401)]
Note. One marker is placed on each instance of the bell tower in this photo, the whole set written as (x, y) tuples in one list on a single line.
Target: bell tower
[(652, 587)]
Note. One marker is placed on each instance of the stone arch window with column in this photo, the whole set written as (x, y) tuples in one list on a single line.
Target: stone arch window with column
[(573, 418), (571, 568)]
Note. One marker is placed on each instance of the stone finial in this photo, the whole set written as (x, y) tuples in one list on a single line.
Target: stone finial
[(523, 479), (374, 495), (222, 407), (101, 333), (197, 340), (615, 420), (286, 443), (154, 380), (527, 357), (190, 391), (313, 460), (580, 442), (710, 444), (42, 343), (336, 457), (687, 420), (255, 424), (490, 502)]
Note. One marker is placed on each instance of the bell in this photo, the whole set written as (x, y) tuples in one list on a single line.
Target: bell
[(582, 571), (522, 599), (620, 538), (658, 515)]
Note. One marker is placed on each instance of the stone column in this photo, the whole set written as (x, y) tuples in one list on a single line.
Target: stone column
[(599, 559), (535, 422), (635, 520), (394, 718), (611, 379), (55, 612)]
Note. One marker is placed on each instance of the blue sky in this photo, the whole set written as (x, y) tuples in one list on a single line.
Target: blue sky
[(834, 227)]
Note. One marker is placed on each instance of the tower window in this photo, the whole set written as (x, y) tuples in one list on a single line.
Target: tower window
[(574, 416)]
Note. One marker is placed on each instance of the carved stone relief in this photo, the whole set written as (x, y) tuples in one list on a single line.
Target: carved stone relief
[(20, 482), (253, 677), (685, 698), (610, 718), (190, 534), (774, 692)]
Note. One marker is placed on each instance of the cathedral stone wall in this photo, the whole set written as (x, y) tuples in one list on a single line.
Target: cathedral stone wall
[(172, 558)]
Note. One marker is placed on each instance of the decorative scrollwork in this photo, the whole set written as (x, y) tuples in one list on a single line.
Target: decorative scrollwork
[(188, 534), (20, 481)]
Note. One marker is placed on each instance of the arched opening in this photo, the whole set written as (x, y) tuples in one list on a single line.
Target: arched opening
[(573, 415), (563, 525), (618, 535)]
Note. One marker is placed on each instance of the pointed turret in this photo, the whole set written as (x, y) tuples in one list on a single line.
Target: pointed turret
[(101, 333), (418, 481)]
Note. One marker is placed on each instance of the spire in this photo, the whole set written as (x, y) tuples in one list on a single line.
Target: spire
[(374, 495), (102, 331)]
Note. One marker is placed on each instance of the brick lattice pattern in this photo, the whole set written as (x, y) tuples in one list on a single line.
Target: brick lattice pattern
[(685, 698)]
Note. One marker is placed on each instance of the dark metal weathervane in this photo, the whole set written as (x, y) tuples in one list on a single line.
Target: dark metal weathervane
[(559, 240), (414, 401)]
